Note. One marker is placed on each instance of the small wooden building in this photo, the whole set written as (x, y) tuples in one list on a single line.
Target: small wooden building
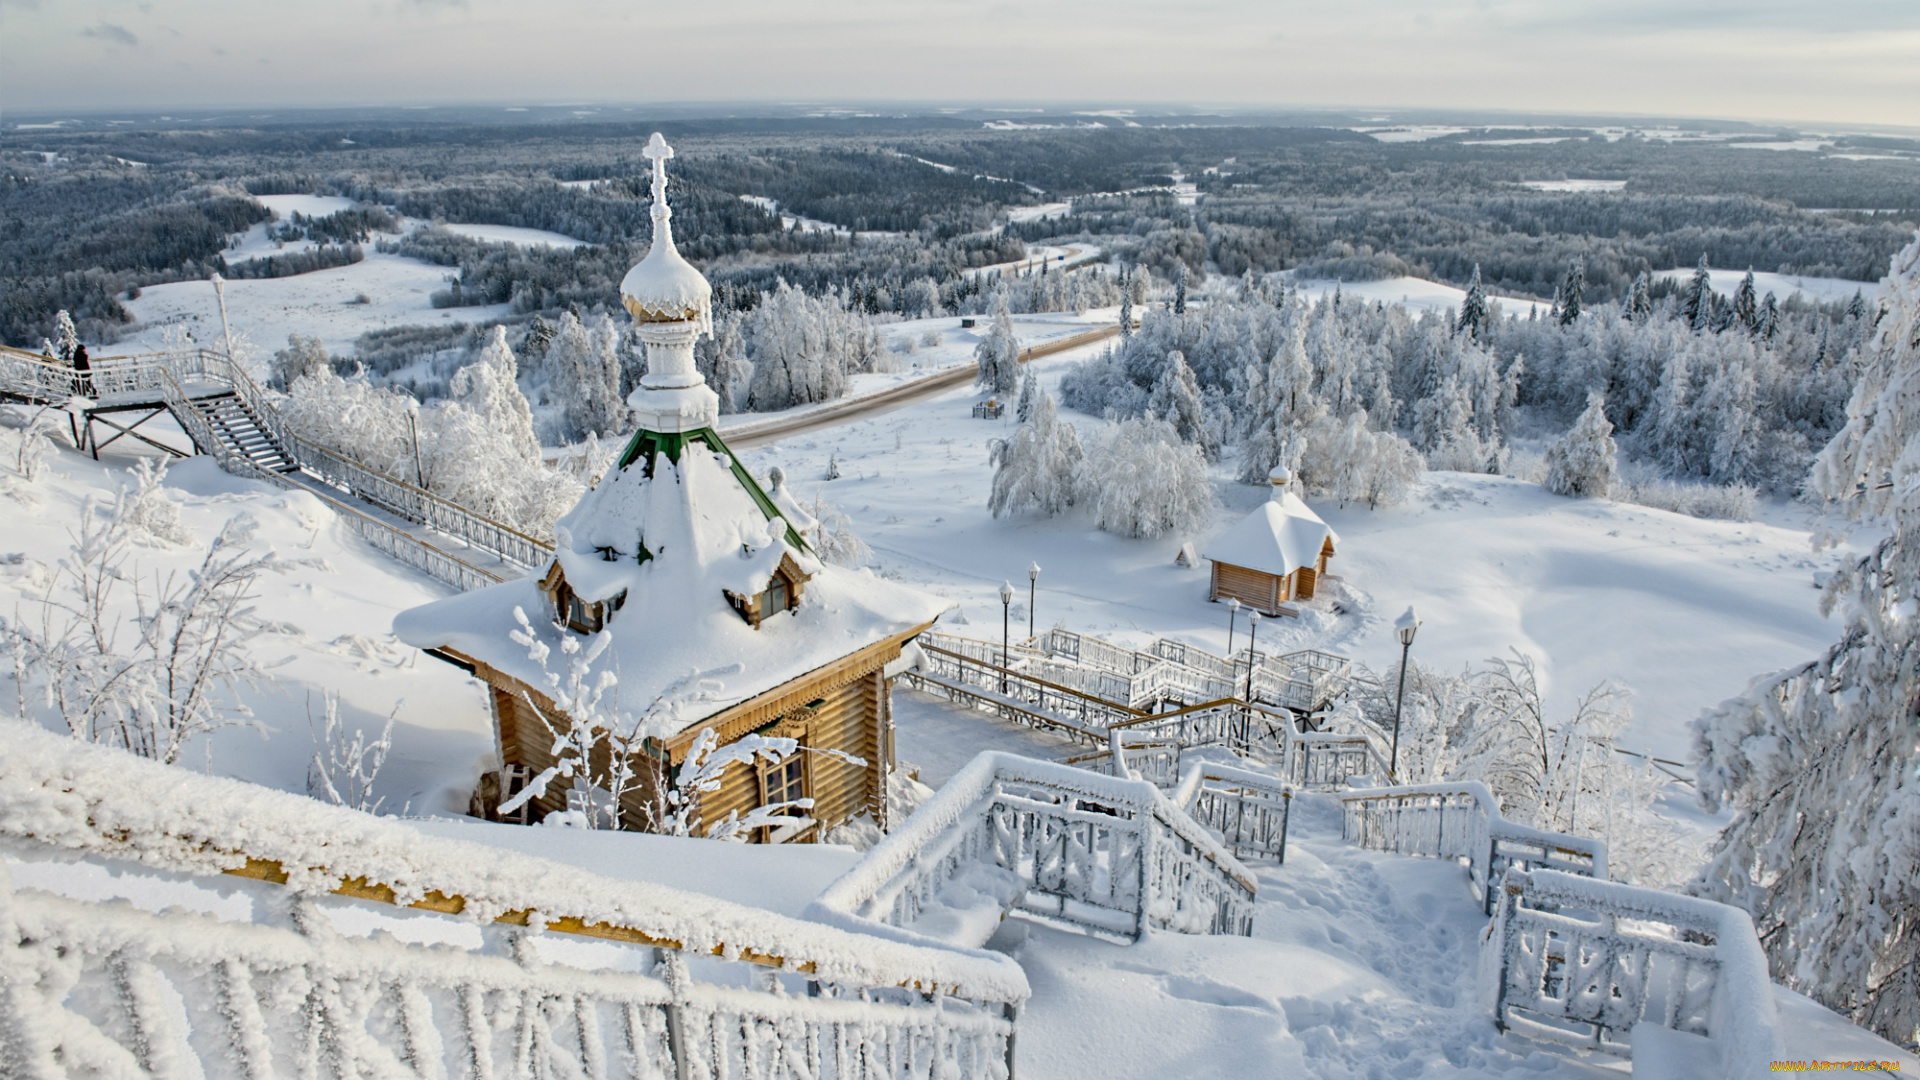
[(699, 591), (1274, 555)]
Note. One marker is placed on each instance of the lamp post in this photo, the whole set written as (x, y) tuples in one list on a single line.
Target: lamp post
[(1405, 626), (220, 293), (1033, 585), (1253, 636), (1006, 605), (1233, 609)]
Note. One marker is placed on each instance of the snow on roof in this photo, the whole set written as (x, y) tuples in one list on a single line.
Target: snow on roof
[(1279, 538), (678, 647)]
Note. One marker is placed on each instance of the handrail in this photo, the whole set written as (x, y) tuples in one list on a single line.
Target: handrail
[(1566, 951), (88, 800), (1463, 820), (1147, 840), (1249, 809), (1016, 674)]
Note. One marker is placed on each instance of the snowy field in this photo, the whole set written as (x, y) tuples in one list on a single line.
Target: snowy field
[(323, 304), (509, 234), (1415, 294), (1824, 290), (1575, 185)]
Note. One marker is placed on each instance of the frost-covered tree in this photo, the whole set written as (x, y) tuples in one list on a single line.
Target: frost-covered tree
[(1573, 290), (65, 337), (1029, 396), (583, 363), (1696, 303), (998, 354), (302, 356), (1180, 289), (1639, 305), (1746, 305), (1176, 399), (1038, 467), (1473, 308), (1126, 311), (1820, 764), (1143, 481), (478, 447), (351, 416), (722, 361), (1584, 461)]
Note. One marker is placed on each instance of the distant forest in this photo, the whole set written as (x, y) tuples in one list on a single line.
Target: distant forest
[(90, 216)]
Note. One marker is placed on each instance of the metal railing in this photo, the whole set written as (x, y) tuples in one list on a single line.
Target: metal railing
[(1585, 961), (1098, 854), (1248, 809), (1463, 821), (485, 961)]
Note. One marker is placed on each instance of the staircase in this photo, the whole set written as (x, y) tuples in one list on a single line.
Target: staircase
[(242, 434)]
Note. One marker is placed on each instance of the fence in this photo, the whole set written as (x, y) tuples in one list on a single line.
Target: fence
[(1463, 821), (1584, 961), (1098, 854), (545, 971)]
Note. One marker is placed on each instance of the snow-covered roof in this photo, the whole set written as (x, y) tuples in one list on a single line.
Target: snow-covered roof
[(1279, 538), (677, 645)]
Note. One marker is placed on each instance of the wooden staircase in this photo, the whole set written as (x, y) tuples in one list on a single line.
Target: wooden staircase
[(243, 433)]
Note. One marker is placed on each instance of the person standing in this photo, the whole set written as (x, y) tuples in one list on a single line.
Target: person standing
[(82, 372)]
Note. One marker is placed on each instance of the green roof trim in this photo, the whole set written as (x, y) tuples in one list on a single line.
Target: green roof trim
[(649, 445)]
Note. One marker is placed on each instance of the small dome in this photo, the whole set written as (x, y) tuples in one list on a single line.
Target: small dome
[(1280, 477), (664, 287)]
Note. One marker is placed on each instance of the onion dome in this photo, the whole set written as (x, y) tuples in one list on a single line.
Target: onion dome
[(663, 287)]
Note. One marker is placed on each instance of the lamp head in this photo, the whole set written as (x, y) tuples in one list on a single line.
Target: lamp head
[(1006, 592), (1253, 618), (1233, 604), (1033, 572), (1405, 627)]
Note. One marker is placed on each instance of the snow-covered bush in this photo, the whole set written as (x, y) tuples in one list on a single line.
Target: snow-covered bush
[(1820, 764), (802, 348), (1039, 466), (33, 439), (1143, 481), (1726, 502), (1584, 462), (344, 767), (189, 655), (833, 537), (354, 418), (147, 513)]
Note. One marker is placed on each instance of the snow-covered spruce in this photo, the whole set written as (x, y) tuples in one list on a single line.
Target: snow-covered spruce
[(1821, 763)]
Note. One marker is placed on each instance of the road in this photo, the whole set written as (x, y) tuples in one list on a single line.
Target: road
[(748, 436)]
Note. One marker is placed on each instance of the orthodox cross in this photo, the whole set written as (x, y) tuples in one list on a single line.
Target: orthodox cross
[(658, 152)]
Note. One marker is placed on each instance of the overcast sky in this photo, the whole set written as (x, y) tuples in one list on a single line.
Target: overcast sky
[(1821, 62)]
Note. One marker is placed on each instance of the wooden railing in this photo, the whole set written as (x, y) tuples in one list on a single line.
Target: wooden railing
[(1462, 821), (1585, 961), (1155, 761), (1098, 854), (93, 835), (1067, 708)]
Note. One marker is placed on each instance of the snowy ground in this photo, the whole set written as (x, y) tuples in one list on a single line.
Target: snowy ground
[(1575, 185), (330, 627), (509, 234)]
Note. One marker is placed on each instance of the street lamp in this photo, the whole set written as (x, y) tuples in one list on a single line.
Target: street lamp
[(1006, 605), (220, 293), (1253, 632), (1233, 609), (1405, 626), (1033, 584)]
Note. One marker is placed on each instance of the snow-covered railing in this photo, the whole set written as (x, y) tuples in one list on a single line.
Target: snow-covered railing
[(1093, 652), (619, 978), (1071, 709), (1247, 808), (1320, 759), (1585, 961), (1463, 821), (402, 546), (32, 377), (1155, 761), (1062, 845)]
